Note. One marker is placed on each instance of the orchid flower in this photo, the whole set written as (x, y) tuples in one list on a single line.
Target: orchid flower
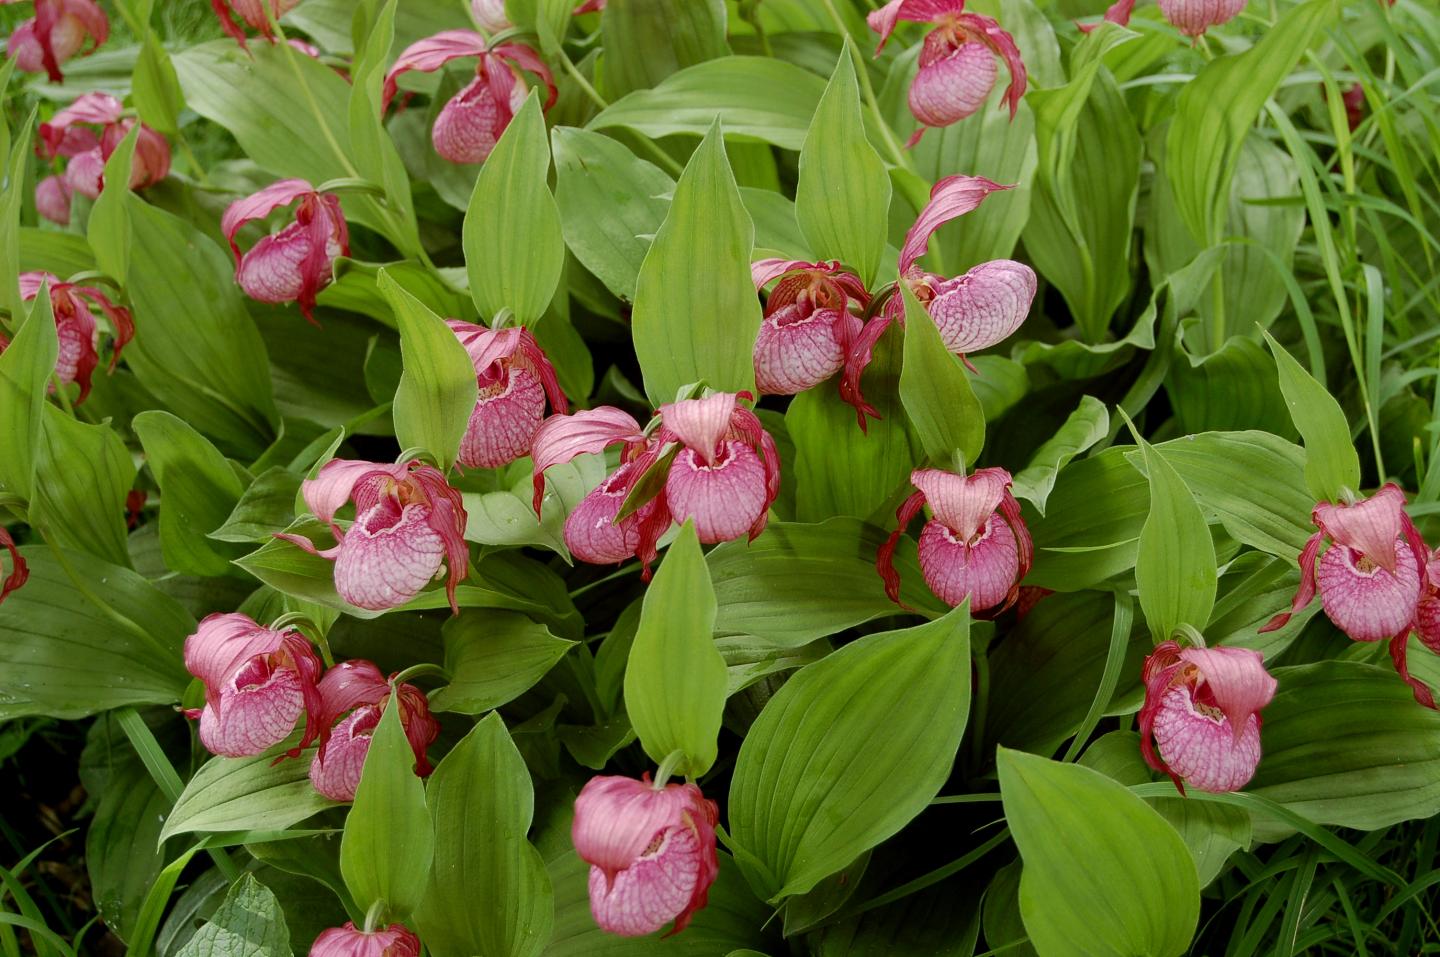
[(470, 124), (515, 379), (409, 529), (56, 33), (957, 61), (357, 691), (975, 546), (253, 13), (727, 473), (258, 683), (973, 311), (1202, 711), (52, 199), (67, 135), (1426, 625), (76, 328), (651, 852), (809, 326), (19, 571), (1117, 13), (1194, 17), (294, 264), (489, 15), (349, 941)]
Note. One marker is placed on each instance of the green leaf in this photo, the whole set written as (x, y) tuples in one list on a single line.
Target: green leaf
[(266, 507), (757, 97), (936, 392), (83, 473), (514, 251), (1175, 567), (1215, 111), (198, 488), (386, 851), (837, 160), (841, 759), (1332, 466), (612, 204), (545, 18), (438, 388), (493, 659), (245, 794), (25, 370), (1120, 882), (647, 40), (1088, 424), (675, 680), (11, 202), (1092, 522), (696, 313), (155, 89), (78, 645), (249, 923), (109, 227), (481, 803)]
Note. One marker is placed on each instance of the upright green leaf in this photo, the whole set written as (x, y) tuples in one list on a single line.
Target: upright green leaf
[(647, 40), (243, 794), (83, 473), (936, 391), (841, 758), (198, 489), (675, 680), (250, 923), (1088, 424), (514, 251), (12, 198), (1332, 466), (494, 658), (838, 161), (1121, 880), (488, 891), (1175, 566), (696, 313), (438, 388), (109, 227), (155, 88), (386, 851), (26, 367)]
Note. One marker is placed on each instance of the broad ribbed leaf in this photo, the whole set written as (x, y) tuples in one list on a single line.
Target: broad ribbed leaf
[(841, 759), (647, 40), (1092, 523), (83, 473), (494, 658), (675, 680), (1088, 424), (1120, 882), (1230, 388), (266, 507), (109, 227), (198, 488), (696, 314), (26, 367), (244, 794), (250, 923), (155, 88), (1175, 565), (1332, 465), (936, 391)]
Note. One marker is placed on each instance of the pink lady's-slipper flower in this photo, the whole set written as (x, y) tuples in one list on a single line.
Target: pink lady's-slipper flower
[(258, 683), (19, 571), (973, 311), (76, 328), (409, 529), (294, 264), (975, 546), (358, 691), (727, 473), (1117, 13), (470, 124), (1426, 625), (52, 199), (515, 380), (957, 62), (489, 15), (809, 326), (68, 135), (252, 13), (1194, 17), (349, 941), (651, 852), (56, 33), (1202, 711)]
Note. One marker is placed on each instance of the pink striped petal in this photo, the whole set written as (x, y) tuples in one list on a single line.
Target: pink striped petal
[(19, 570), (1194, 17), (617, 818), (591, 533), (431, 54), (490, 15), (385, 560), (24, 48), (1201, 747), (952, 85), (272, 270), (335, 769), (963, 503), (96, 109), (471, 122), (562, 437), (985, 570), (221, 643), (1427, 622), (330, 489), (951, 197), (349, 941), (798, 347), (85, 173), (884, 20), (1236, 679), (725, 498), (983, 307), (253, 11), (1118, 12), (256, 711), (1370, 526), (700, 424), (1364, 600), (349, 685), (652, 891), (259, 205), (504, 422), (52, 199)]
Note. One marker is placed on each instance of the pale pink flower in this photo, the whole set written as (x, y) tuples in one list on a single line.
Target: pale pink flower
[(515, 379), (1194, 17), (19, 571), (52, 199), (975, 546), (957, 61), (56, 33), (68, 135), (490, 15), (973, 311), (409, 529), (356, 694), (76, 327), (253, 13), (809, 325), (472, 121), (1202, 711), (349, 941), (651, 852), (258, 683), (727, 472), (295, 263)]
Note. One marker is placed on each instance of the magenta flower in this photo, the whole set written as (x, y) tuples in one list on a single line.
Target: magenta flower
[(975, 546), (409, 529), (1202, 711), (294, 264), (471, 122), (52, 199), (357, 691), (76, 328), (19, 571), (809, 326), (957, 61), (727, 472), (1117, 13), (68, 135), (348, 941), (1194, 17), (253, 13), (973, 311), (56, 33), (651, 852), (258, 682), (515, 379)]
